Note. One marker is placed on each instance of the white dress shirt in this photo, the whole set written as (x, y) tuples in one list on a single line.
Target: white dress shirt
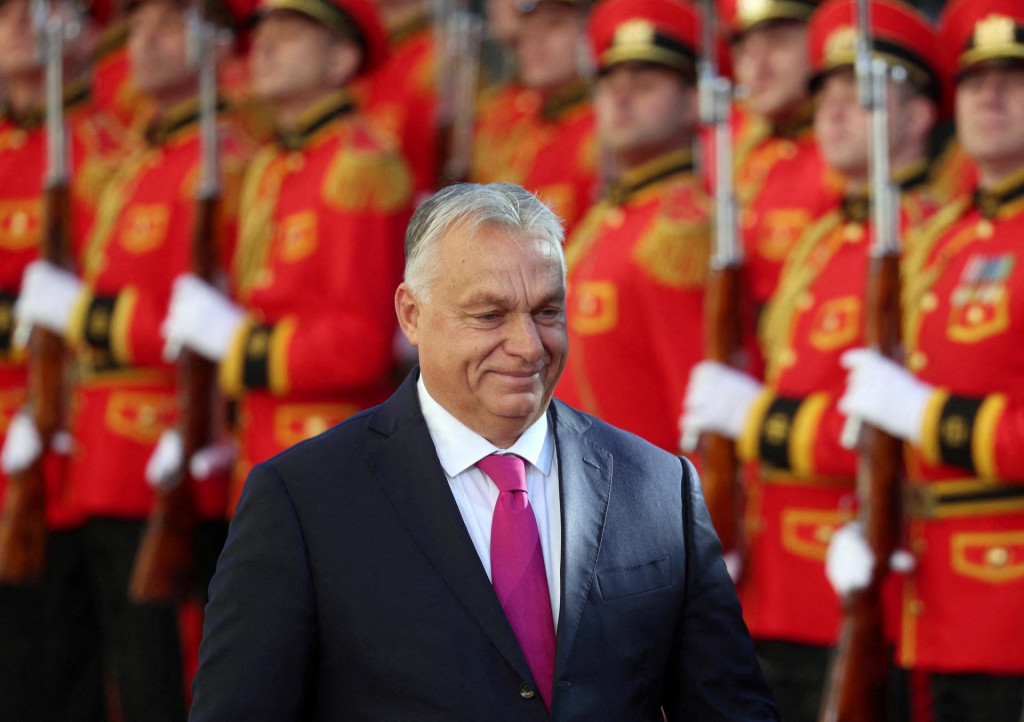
[(459, 449)]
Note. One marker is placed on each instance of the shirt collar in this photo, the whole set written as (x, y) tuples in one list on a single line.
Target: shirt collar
[(459, 448)]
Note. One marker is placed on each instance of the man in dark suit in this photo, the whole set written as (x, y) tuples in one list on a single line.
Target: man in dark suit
[(356, 583)]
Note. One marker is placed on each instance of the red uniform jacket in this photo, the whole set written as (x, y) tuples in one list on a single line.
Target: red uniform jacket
[(126, 393), (964, 327), (638, 263), (320, 255), (804, 486), (545, 144), (94, 150)]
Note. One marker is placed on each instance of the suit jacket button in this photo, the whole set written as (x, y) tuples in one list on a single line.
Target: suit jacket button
[(525, 691)]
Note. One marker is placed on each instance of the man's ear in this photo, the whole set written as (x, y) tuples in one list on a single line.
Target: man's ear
[(408, 310), (345, 58)]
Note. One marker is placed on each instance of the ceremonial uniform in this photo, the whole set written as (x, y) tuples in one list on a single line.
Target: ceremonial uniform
[(112, 84), (126, 394), (400, 100), (543, 142), (638, 263), (964, 322), (323, 215), (47, 628), (802, 488)]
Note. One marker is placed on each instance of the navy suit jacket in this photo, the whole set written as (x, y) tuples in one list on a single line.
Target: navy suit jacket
[(349, 589)]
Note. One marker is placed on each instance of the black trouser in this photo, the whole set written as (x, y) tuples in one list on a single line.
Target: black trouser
[(141, 643), (50, 666), (798, 673), (977, 697)]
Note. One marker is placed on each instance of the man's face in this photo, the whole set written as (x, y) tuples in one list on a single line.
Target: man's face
[(548, 51), (291, 57), (771, 63), (18, 40), (842, 125), (990, 118), (641, 106), (492, 337), (158, 47)]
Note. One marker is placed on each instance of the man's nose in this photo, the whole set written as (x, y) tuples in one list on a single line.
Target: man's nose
[(523, 339)]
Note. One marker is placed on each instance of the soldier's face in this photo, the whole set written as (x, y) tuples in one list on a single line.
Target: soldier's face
[(990, 119), (18, 42), (551, 40), (644, 108), (290, 56), (771, 63), (157, 48), (492, 335)]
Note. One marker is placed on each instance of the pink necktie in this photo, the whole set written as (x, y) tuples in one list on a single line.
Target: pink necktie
[(517, 569)]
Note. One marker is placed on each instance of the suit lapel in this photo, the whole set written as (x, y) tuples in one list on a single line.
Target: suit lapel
[(585, 474), (408, 470)]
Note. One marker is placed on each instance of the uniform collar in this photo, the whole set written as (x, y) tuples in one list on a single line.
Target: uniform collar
[(856, 207), (797, 124), (405, 27), (314, 119), (635, 179), (991, 201), (76, 94), (563, 100), (167, 125)]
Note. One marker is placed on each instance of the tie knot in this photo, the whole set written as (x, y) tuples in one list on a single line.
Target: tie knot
[(507, 471)]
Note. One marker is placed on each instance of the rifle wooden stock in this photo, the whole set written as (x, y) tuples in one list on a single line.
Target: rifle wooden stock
[(165, 561), (857, 683), (720, 473), (23, 522)]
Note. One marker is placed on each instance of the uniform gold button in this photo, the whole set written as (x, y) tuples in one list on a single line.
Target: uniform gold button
[(917, 361), (929, 302), (984, 229), (853, 232), (997, 557), (787, 357), (615, 217), (917, 607), (315, 425), (526, 692), (806, 301), (975, 315)]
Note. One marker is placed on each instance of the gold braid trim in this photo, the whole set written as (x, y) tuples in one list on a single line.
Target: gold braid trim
[(366, 180), (586, 234), (776, 326), (675, 253), (260, 190)]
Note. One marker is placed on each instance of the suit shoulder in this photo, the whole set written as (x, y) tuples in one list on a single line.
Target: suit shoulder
[(622, 444), (345, 442)]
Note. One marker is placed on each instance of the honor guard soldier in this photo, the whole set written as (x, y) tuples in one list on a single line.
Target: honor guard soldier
[(804, 486), (50, 666), (400, 97), (775, 151), (307, 341), (638, 261), (125, 394), (959, 402), (539, 132)]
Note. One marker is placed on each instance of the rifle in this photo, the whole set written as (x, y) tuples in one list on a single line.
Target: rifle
[(856, 687), (722, 332), (165, 562), (458, 34), (23, 532)]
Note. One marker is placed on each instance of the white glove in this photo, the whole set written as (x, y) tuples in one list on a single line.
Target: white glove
[(201, 318), (884, 394), (718, 399), (849, 560), (163, 470), (211, 459), (733, 565), (22, 446), (47, 298)]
